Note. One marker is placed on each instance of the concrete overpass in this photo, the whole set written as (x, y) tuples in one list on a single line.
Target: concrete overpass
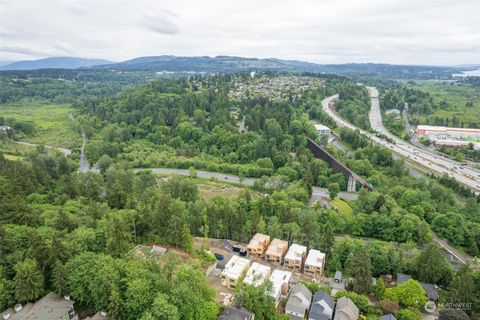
[(352, 178)]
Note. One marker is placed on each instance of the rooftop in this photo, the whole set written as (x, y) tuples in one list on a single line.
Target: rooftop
[(50, 307), (257, 274), (277, 247), (278, 278), (235, 267), (321, 127), (257, 240), (315, 258), (230, 313), (401, 278), (295, 252), (446, 129)]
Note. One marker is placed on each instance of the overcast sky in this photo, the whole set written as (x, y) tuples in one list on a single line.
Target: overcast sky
[(440, 32)]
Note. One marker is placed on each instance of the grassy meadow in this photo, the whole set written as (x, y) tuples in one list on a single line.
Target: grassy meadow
[(52, 123), (457, 96)]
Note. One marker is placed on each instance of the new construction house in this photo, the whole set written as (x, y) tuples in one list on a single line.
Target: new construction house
[(281, 282), (235, 268), (315, 262), (276, 251), (258, 245), (257, 274), (295, 257)]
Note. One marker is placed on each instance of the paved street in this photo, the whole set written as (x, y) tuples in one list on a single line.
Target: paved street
[(439, 165), (203, 174)]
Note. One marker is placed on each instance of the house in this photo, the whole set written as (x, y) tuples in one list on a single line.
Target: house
[(401, 278), (230, 313), (281, 282), (346, 310), (257, 274), (322, 307), (430, 291), (299, 302), (51, 306), (258, 245), (234, 270), (295, 257), (315, 262), (388, 317), (338, 276), (322, 130), (276, 251)]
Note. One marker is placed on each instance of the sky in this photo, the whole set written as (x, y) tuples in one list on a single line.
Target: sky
[(433, 32)]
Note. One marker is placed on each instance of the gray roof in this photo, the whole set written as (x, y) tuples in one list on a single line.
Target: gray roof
[(296, 304), (230, 313), (345, 303), (316, 310), (401, 278), (388, 317), (430, 291), (51, 306), (338, 274)]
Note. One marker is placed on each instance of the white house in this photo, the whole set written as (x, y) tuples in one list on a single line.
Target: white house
[(281, 282), (257, 274), (234, 270)]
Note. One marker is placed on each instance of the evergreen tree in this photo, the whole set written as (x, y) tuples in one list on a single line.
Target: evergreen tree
[(115, 307), (380, 289), (28, 281), (462, 288), (432, 267), (361, 270), (59, 278), (6, 290)]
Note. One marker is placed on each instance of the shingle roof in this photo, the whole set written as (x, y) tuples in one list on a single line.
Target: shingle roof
[(345, 303), (299, 300), (401, 278), (230, 313), (51, 306), (317, 311), (430, 291)]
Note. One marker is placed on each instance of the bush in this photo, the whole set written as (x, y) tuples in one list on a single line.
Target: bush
[(389, 306), (359, 300), (409, 314)]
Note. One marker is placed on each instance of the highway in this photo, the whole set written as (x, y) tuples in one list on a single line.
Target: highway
[(465, 175)]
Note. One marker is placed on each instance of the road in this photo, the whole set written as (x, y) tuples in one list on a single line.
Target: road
[(65, 151), (203, 174), (84, 165), (465, 175), (403, 149), (459, 256), (318, 193)]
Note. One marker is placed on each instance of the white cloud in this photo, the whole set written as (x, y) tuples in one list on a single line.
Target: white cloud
[(323, 31)]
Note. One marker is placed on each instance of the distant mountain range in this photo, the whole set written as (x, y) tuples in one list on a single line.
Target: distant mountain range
[(54, 62), (205, 64)]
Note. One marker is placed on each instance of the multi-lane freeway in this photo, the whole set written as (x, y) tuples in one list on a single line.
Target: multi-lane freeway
[(436, 164)]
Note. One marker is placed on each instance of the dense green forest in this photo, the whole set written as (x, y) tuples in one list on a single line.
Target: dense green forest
[(64, 229)]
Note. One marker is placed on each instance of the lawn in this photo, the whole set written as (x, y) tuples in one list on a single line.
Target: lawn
[(52, 123), (456, 96), (343, 208)]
